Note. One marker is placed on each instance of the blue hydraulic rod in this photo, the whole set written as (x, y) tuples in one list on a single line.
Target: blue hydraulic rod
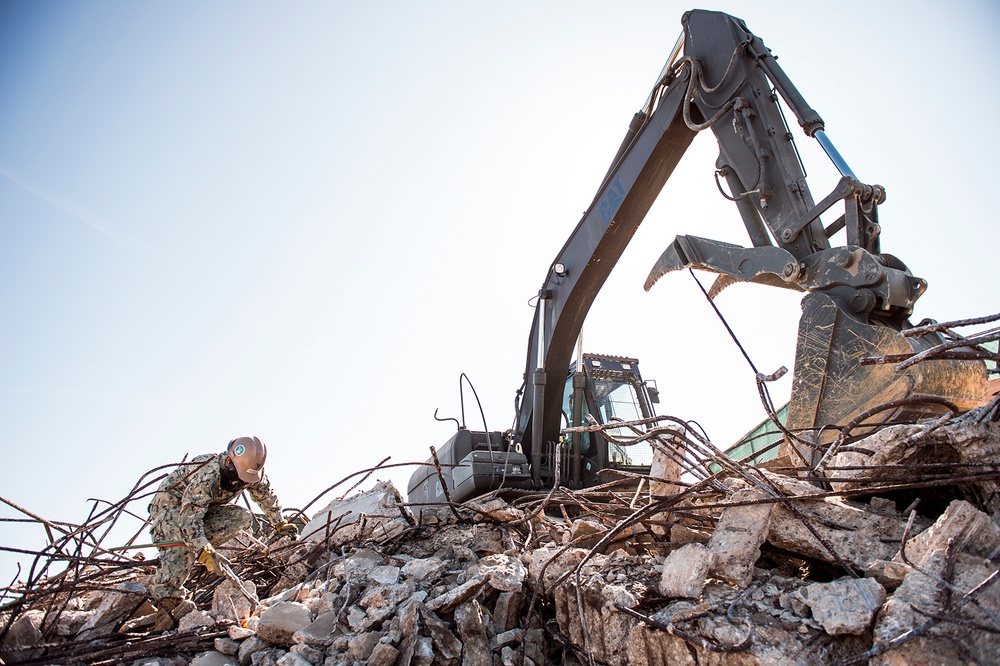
[(833, 154)]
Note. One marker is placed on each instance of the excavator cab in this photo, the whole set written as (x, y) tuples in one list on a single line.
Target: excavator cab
[(613, 390)]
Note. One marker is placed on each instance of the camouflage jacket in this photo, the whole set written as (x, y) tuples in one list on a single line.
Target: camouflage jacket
[(181, 501)]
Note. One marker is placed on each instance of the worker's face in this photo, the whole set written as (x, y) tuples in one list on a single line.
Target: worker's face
[(230, 479)]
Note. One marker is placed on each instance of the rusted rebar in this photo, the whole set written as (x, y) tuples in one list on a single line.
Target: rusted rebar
[(615, 507), (444, 483)]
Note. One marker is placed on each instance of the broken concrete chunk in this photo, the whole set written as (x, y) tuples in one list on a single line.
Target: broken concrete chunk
[(238, 633), (424, 570), (360, 646), (885, 448), (228, 603), (685, 571), (534, 646), (358, 565), (376, 616), (320, 632), (917, 592), (447, 602), (408, 627), (845, 606), (226, 646), (553, 562), (383, 655), (504, 572), (356, 618), (472, 632), (922, 596), (510, 657), (488, 542), (857, 547), (293, 659), (384, 575), (444, 641), (507, 610), (883, 505), (287, 594), (680, 533), (340, 643), (385, 595), (249, 648), (23, 636), (376, 515), (888, 573), (69, 622), (961, 441), (495, 510), (857, 534), (792, 602), (307, 652), (116, 606), (583, 527), (665, 469), (213, 659), (606, 626), (619, 595), (328, 601), (652, 647), (738, 536), (268, 657), (279, 623), (460, 552), (964, 527), (423, 652), (195, 620), (506, 638)]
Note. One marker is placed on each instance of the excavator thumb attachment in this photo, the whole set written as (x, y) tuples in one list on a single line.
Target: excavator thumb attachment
[(764, 265), (830, 386)]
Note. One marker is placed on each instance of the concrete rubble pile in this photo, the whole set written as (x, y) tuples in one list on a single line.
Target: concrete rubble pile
[(755, 567)]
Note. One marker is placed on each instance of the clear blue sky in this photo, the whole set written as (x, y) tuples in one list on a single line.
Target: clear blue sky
[(304, 220)]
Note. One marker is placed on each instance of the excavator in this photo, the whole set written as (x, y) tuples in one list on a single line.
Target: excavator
[(857, 299)]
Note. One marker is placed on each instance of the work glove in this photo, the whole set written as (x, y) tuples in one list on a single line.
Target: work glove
[(212, 560), (285, 528)]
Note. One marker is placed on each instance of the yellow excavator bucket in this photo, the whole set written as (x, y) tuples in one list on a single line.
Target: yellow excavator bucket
[(831, 386)]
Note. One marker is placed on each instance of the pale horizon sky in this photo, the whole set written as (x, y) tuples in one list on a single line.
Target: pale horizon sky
[(304, 221)]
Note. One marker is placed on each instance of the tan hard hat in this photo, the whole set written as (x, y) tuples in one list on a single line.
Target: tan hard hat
[(248, 455)]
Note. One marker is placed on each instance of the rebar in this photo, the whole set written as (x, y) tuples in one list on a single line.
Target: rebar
[(973, 348), (74, 560)]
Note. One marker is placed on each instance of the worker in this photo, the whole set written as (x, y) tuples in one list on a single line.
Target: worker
[(190, 516)]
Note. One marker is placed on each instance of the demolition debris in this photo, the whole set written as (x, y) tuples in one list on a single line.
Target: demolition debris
[(885, 551)]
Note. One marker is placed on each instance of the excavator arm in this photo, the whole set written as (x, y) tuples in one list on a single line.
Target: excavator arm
[(722, 78)]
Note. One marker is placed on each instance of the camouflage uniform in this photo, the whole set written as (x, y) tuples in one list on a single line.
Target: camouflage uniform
[(191, 506)]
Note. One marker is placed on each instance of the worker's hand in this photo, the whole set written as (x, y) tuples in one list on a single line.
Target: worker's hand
[(285, 528), (211, 559)]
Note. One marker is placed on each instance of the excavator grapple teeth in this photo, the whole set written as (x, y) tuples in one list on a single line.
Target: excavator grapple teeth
[(671, 260), (720, 284)]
